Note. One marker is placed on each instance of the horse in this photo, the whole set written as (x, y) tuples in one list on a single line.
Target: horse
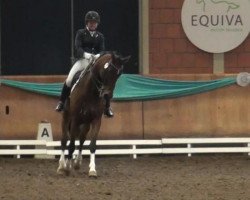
[(84, 109)]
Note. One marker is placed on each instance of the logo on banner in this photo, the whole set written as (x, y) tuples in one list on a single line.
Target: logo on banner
[(216, 26)]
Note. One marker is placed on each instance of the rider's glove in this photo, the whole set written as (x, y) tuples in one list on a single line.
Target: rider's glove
[(88, 56)]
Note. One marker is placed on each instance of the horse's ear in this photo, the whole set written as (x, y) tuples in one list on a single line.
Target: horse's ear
[(115, 56), (125, 59)]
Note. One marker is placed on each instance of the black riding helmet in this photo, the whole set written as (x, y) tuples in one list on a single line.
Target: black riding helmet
[(92, 16)]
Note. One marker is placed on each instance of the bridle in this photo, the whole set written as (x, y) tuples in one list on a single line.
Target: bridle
[(119, 70), (99, 83)]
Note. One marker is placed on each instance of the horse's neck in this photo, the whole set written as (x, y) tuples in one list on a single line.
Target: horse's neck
[(90, 82), (87, 90)]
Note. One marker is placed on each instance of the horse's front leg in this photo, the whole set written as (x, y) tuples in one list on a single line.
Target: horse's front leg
[(71, 149), (74, 130), (96, 124), (82, 138), (65, 129), (62, 162)]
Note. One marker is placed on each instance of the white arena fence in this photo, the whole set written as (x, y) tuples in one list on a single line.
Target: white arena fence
[(187, 146)]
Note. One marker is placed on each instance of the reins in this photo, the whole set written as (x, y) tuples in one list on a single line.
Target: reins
[(118, 70), (99, 84)]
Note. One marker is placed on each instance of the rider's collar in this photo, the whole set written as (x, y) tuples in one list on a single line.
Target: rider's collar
[(92, 33)]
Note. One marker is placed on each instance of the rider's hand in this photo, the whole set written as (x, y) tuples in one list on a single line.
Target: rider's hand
[(88, 56)]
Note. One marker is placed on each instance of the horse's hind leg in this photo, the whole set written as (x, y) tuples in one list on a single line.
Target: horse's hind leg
[(96, 124), (82, 138)]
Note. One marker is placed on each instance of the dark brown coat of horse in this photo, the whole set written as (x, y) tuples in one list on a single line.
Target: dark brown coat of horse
[(84, 108)]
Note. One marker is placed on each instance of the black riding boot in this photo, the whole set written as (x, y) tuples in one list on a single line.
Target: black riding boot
[(107, 110), (64, 95)]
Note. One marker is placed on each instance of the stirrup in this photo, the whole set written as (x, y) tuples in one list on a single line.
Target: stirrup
[(108, 112), (59, 107)]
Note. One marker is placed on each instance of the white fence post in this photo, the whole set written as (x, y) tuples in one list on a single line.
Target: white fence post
[(134, 148), (18, 148), (248, 145), (189, 146)]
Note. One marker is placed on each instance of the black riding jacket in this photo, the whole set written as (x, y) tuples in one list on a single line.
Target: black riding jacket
[(84, 42)]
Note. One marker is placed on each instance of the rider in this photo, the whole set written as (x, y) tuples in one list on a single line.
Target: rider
[(89, 43)]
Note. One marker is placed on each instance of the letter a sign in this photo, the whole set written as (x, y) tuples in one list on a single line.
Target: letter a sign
[(44, 132)]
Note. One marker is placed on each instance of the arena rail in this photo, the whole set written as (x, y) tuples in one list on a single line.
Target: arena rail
[(200, 145), (111, 147), (187, 146), (6, 147)]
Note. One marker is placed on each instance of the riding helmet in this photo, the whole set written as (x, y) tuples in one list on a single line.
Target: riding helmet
[(92, 16)]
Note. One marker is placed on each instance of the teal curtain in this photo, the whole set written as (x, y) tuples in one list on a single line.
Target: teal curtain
[(135, 87), (51, 89)]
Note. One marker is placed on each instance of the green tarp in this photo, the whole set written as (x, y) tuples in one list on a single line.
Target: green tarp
[(135, 87)]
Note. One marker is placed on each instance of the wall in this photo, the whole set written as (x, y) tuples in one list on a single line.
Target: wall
[(27, 110), (222, 112), (219, 113), (170, 51), (238, 60)]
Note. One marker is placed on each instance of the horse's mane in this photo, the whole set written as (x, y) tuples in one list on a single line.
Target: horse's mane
[(79, 75)]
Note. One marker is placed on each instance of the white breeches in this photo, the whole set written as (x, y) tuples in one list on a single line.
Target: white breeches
[(80, 65)]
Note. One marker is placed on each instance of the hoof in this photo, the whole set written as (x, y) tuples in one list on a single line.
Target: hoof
[(77, 165), (93, 174), (62, 171)]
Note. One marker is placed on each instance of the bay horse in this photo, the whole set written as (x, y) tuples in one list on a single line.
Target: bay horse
[(84, 109)]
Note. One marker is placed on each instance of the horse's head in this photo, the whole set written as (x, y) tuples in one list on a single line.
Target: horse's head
[(107, 70)]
